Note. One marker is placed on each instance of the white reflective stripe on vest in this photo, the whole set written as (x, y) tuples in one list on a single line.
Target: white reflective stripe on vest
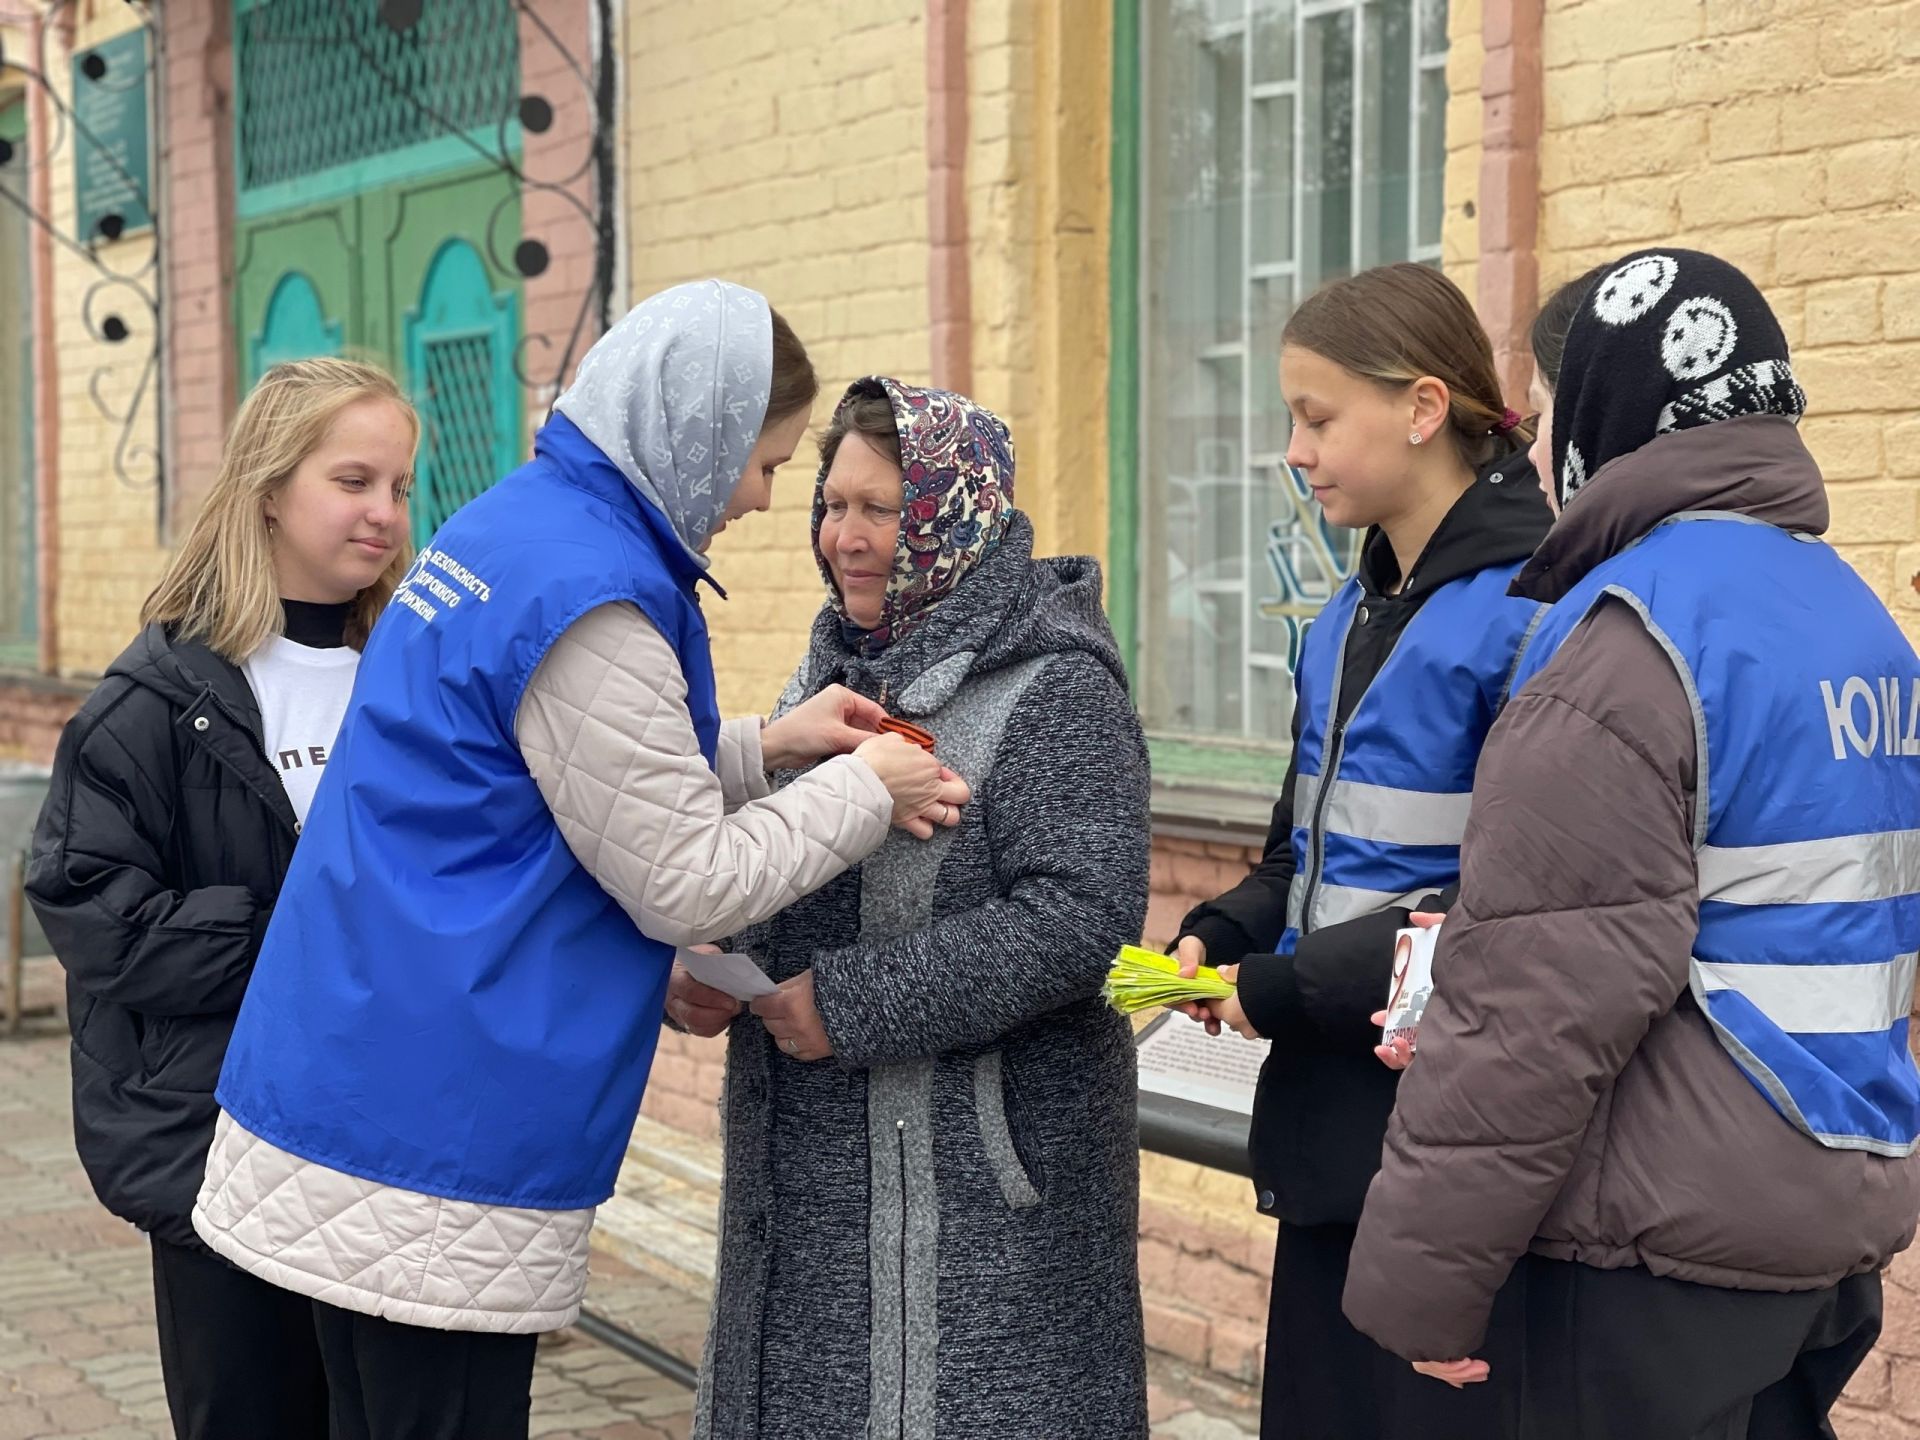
[(1820, 999), (1306, 789), (1337, 904), (1383, 814), (1395, 817), (1846, 869)]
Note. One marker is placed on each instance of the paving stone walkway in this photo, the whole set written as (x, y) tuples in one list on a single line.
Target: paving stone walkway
[(77, 1354)]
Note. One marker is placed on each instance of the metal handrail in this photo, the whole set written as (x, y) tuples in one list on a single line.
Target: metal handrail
[(618, 1337), (1199, 1134)]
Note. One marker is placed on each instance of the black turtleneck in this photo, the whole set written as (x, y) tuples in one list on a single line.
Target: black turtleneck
[(318, 627)]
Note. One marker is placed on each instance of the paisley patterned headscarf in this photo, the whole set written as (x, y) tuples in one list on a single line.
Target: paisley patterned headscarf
[(956, 471)]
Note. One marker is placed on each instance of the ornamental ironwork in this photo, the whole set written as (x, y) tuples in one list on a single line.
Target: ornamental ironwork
[(383, 73), (345, 80), (121, 305)]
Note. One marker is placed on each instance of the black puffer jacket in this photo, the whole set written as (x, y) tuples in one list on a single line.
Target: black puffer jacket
[(1320, 1113), (156, 864)]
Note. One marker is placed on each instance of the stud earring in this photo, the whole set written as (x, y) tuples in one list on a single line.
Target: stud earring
[(1415, 438)]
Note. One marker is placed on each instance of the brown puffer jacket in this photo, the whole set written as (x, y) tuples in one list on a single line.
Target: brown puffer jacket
[(1568, 1097)]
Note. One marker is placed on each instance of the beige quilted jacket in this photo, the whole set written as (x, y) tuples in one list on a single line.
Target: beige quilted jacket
[(689, 853)]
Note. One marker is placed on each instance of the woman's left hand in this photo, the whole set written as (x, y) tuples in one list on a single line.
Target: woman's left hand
[(945, 813), (1457, 1373), (793, 1019), (1229, 1012), (699, 1009), (834, 722), (1398, 1055)]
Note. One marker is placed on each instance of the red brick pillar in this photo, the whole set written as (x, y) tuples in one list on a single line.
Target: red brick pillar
[(1510, 102), (560, 203), (196, 246), (949, 275)]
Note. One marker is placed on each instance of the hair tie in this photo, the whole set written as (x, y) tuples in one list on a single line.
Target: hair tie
[(1506, 424)]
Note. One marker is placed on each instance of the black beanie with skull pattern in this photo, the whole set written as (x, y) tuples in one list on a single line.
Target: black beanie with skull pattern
[(1666, 340)]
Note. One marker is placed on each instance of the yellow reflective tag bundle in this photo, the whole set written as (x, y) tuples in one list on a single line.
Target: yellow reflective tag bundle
[(1142, 979)]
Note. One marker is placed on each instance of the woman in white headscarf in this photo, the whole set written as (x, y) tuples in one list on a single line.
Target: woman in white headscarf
[(531, 803)]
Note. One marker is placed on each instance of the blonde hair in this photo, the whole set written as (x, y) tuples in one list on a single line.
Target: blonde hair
[(220, 586)]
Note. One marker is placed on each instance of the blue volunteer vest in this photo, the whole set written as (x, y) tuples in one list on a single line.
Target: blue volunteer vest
[(1380, 804), (445, 1000), (1806, 699)]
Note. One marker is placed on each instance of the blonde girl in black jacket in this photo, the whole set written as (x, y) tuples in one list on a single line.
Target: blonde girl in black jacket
[(177, 796)]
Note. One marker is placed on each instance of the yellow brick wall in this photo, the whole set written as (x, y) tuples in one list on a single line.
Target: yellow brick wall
[(1460, 227), (108, 552), (1784, 135), (1039, 211), (783, 146)]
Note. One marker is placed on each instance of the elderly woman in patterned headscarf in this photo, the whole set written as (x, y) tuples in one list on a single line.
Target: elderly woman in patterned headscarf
[(932, 1157)]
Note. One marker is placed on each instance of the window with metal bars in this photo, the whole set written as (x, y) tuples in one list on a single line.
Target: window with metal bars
[(1283, 143), (327, 83)]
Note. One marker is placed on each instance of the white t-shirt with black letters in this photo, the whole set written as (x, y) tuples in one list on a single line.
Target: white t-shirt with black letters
[(303, 694)]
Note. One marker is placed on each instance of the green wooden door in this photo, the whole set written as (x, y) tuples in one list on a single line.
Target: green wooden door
[(459, 346), (19, 563), (450, 318), (404, 276), (298, 286), (295, 325), (368, 224)]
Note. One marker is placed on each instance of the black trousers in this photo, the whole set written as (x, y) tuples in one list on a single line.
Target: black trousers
[(390, 1381), (239, 1356), (1575, 1354), (1626, 1352), (1327, 1381)]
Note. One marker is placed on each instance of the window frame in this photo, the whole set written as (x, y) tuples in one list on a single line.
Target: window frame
[(20, 649), (1202, 775)]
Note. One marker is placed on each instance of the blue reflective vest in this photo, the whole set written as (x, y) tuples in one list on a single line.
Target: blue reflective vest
[(1380, 803), (1806, 701), (445, 1000)]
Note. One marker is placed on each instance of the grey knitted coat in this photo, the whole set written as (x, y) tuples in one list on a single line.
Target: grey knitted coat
[(932, 1236)]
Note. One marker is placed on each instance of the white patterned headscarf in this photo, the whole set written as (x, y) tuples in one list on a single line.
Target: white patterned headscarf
[(675, 395)]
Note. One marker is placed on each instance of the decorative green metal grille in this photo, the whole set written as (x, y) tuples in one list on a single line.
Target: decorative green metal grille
[(324, 83), (457, 423)]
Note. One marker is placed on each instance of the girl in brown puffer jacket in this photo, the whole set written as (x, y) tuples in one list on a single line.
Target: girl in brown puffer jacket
[(1590, 1129)]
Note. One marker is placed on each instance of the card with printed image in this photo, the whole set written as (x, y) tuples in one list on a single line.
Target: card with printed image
[(1412, 985)]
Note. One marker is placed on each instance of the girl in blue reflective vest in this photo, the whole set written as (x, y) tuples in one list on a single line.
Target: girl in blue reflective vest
[(1400, 429)]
